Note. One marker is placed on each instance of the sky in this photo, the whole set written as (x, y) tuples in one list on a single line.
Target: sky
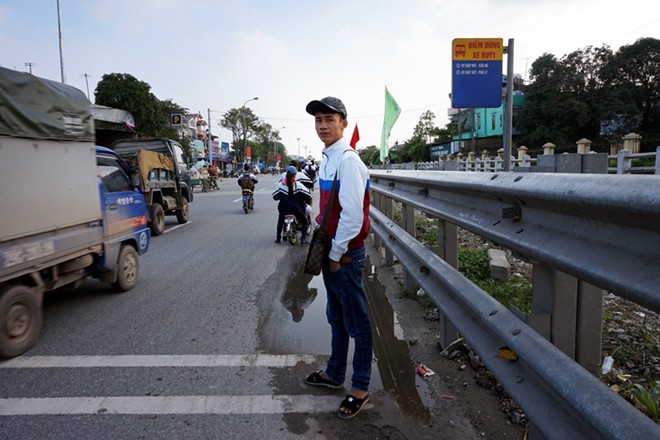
[(214, 55)]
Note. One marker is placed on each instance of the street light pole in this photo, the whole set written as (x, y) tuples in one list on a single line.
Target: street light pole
[(298, 147), (244, 128)]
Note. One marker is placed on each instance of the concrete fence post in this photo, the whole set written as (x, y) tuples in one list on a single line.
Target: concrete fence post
[(623, 161), (631, 142), (549, 149), (583, 146)]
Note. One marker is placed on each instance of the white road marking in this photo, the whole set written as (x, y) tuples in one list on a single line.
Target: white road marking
[(247, 404), (174, 228), (248, 360), (278, 404)]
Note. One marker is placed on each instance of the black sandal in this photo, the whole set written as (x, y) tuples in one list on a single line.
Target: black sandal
[(353, 404), (317, 380)]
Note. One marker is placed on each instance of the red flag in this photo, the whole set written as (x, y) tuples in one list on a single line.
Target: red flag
[(356, 137)]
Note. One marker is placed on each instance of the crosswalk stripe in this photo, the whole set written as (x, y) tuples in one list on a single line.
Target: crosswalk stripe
[(262, 404), (249, 360)]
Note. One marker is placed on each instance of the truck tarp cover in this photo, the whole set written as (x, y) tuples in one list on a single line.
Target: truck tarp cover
[(149, 160), (37, 108)]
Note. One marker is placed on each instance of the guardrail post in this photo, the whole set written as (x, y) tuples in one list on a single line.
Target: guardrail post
[(554, 307), (588, 351), (377, 202), (569, 313), (408, 223), (447, 249), (387, 209)]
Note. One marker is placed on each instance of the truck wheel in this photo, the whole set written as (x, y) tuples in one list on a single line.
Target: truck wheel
[(157, 219), (182, 214), (127, 269), (20, 320)]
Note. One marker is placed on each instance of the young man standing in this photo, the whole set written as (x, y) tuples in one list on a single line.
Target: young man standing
[(348, 226)]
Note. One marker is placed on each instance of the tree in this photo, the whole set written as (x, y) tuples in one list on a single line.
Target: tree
[(592, 93), (549, 112), (123, 91), (268, 138), (243, 123), (425, 129), (634, 74), (370, 155)]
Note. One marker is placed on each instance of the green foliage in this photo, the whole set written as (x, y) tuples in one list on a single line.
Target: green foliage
[(426, 229), (648, 399), (370, 155), (570, 98), (243, 123), (124, 91), (474, 264)]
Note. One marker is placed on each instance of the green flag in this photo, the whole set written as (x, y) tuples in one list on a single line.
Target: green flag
[(392, 112)]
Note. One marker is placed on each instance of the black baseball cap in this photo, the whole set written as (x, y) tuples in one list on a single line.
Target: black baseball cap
[(328, 104)]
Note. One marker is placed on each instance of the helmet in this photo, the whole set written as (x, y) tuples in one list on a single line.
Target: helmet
[(291, 170)]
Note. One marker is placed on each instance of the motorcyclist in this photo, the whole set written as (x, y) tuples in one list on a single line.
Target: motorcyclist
[(247, 181), (213, 176), (301, 176), (310, 170), (293, 198)]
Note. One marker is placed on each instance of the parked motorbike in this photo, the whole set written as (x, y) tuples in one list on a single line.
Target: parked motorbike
[(248, 200)]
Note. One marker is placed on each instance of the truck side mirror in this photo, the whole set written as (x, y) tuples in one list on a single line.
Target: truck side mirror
[(135, 175)]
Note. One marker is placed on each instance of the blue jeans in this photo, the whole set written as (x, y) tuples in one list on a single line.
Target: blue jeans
[(348, 317)]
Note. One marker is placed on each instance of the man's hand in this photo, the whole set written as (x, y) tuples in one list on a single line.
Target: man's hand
[(334, 266)]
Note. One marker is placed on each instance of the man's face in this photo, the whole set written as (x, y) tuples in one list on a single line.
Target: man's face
[(330, 127)]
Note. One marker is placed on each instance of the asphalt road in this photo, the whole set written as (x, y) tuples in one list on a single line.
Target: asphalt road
[(206, 346)]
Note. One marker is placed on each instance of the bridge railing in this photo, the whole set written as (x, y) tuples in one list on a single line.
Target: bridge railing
[(579, 231)]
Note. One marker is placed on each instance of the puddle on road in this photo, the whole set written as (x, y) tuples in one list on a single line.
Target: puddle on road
[(305, 300)]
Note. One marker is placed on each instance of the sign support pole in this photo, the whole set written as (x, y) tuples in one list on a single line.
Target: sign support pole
[(508, 107)]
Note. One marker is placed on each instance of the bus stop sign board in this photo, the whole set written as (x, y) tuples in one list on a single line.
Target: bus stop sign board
[(476, 72)]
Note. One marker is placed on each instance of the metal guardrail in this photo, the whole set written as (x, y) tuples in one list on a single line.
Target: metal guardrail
[(599, 228)]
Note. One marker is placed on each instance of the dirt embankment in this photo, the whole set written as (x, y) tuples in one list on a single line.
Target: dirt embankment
[(631, 336)]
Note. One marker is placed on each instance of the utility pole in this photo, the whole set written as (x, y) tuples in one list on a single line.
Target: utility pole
[(87, 83), (29, 66), (59, 26), (508, 107)]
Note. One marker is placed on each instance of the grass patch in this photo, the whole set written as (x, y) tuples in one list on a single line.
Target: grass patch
[(474, 264)]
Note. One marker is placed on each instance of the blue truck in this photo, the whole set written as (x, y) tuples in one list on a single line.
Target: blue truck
[(69, 210)]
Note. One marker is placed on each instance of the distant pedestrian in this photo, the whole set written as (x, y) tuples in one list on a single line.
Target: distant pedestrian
[(348, 226)]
